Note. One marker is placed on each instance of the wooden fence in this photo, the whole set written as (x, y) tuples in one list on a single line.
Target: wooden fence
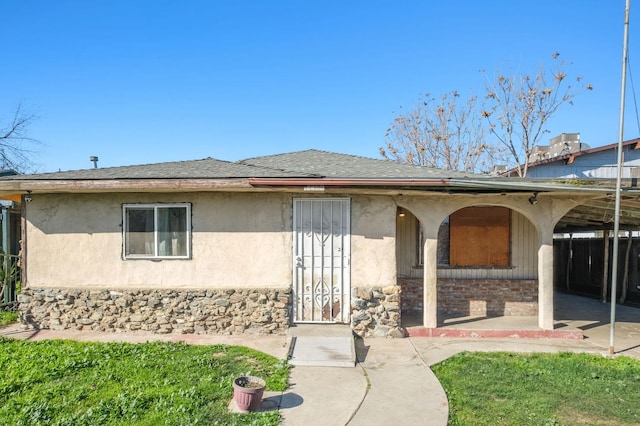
[(579, 267)]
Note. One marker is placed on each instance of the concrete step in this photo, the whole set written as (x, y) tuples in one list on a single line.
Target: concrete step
[(320, 345)]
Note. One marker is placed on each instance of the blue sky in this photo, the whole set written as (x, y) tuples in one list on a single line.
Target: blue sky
[(137, 82)]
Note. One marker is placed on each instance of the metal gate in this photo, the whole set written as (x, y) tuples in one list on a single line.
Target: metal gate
[(321, 256)]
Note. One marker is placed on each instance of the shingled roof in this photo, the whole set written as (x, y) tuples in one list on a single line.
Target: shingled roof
[(303, 164), (208, 168), (334, 165), (306, 169)]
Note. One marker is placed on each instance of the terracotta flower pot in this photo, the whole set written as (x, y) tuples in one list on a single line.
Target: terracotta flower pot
[(247, 392)]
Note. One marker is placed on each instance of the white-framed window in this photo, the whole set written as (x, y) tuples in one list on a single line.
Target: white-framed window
[(156, 231)]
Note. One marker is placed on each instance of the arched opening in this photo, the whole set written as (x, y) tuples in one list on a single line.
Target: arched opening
[(487, 266), (410, 267)]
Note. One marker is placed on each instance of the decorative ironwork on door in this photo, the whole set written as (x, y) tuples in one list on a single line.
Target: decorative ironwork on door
[(321, 256)]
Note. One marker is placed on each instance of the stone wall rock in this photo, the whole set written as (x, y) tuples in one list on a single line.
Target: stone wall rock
[(224, 312), (375, 312)]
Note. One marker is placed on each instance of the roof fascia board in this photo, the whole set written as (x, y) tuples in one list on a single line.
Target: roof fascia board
[(184, 185), (346, 182), (124, 185), (497, 184)]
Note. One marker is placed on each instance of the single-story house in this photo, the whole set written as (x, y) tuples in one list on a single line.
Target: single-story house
[(258, 245)]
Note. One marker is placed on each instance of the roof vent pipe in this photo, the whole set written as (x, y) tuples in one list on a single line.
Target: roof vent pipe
[(94, 160)]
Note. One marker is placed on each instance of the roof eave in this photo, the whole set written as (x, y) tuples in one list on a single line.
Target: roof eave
[(121, 185), (223, 184), (279, 182)]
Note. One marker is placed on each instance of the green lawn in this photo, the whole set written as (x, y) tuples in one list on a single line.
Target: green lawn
[(59, 382), (541, 389)]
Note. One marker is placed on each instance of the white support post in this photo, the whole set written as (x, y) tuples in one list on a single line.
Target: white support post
[(545, 283), (430, 302)]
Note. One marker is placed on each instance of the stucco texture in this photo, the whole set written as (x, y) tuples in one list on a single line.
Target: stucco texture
[(75, 240), (373, 241), (239, 240)]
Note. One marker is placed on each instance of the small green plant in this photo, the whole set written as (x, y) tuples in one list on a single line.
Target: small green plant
[(7, 317), (577, 182)]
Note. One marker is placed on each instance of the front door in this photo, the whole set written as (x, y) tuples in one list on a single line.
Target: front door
[(321, 256)]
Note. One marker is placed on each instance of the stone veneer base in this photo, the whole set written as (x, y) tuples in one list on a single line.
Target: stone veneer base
[(375, 311), (221, 311)]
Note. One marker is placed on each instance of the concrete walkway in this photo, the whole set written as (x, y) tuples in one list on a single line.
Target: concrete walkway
[(388, 378), (403, 389), (392, 382)]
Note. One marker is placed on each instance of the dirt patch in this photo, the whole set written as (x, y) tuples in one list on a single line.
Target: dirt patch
[(570, 416)]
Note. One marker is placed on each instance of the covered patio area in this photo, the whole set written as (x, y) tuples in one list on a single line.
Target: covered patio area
[(450, 299), (576, 317)]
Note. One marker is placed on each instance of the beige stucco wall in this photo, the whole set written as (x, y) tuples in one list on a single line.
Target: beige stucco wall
[(373, 241), (239, 240)]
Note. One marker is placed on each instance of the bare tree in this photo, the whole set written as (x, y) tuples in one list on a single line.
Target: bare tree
[(15, 152), (444, 132), (519, 107)]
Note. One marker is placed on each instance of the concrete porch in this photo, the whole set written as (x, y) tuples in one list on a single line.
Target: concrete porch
[(575, 317)]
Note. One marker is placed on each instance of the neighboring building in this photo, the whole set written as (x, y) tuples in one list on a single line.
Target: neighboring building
[(254, 246), (567, 158)]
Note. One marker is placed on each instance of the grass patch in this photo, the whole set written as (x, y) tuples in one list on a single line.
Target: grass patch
[(59, 382), (7, 317), (540, 389)]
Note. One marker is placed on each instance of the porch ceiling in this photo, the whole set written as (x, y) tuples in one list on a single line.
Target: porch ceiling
[(599, 214)]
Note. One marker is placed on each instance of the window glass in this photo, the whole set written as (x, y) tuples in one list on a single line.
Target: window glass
[(172, 231), (443, 242), (139, 231), (157, 231)]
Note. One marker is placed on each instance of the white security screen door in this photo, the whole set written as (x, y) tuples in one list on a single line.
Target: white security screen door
[(321, 256)]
